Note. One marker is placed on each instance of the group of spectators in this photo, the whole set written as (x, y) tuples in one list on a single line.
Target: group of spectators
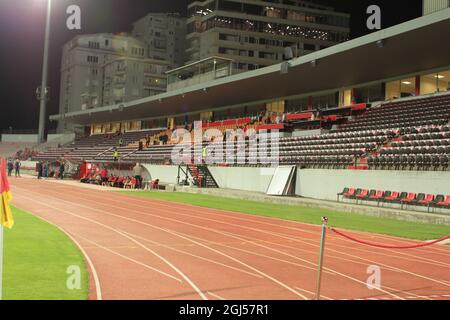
[(45, 171), (26, 154), (101, 177), (14, 165)]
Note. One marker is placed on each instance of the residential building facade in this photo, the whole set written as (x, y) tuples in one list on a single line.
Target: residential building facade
[(164, 35), (256, 33), (106, 69)]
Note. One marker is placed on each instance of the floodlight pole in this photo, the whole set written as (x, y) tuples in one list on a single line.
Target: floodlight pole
[(43, 95), (322, 245)]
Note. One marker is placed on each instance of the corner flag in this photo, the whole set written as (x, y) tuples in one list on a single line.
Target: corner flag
[(6, 218)]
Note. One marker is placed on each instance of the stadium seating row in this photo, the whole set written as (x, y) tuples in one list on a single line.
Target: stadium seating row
[(403, 198)]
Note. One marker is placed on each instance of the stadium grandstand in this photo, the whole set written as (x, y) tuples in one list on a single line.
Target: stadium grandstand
[(367, 120)]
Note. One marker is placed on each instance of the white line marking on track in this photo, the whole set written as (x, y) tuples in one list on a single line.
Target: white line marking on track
[(215, 296), (129, 259), (134, 240), (98, 290), (170, 232)]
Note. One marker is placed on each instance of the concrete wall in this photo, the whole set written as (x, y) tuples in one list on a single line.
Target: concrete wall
[(317, 183), (32, 138), (249, 179), (325, 184), (165, 174)]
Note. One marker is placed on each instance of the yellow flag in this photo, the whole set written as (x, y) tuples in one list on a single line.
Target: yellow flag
[(6, 218)]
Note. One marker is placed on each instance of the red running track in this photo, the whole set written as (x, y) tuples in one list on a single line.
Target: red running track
[(140, 248)]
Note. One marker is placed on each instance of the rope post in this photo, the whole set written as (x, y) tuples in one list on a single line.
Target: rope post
[(322, 247)]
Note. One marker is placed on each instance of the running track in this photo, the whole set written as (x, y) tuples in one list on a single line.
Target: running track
[(140, 248)]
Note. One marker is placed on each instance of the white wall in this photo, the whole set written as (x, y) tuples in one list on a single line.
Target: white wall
[(165, 174), (318, 183), (32, 138), (249, 179), (325, 184)]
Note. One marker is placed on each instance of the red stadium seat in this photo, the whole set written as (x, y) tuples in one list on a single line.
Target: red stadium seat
[(409, 198), (350, 193), (427, 200), (393, 197), (377, 196), (445, 203), (363, 194)]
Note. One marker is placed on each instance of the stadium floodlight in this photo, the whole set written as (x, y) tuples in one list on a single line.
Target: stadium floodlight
[(43, 97)]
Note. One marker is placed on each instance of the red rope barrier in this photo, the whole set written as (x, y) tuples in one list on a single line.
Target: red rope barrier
[(418, 245)]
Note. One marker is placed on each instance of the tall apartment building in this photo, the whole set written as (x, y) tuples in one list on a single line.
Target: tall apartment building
[(165, 36), (255, 33), (430, 6), (128, 78), (105, 69)]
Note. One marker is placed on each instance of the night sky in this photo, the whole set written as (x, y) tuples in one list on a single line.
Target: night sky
[(22, 25)]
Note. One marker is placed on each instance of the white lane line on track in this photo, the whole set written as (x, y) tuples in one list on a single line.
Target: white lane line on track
[(391, 268), (257, 219), (222, 233), (312, 293), (196, 256), (224, 214), (215, 296), (325, 268), (179, 207), (98, 290), (128, 258), (213, 230), (174, 233), (200, 293), (330, 249)]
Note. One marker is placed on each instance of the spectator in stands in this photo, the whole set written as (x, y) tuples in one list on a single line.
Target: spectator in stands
[(277, 119), (10, 167), (141, 145), (137, 173), (39, 169), (120, 142), (147, 141), (17, 165), (115, 154), (62, 169)]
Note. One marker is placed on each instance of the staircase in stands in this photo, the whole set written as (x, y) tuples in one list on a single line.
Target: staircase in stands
[(201, 176)]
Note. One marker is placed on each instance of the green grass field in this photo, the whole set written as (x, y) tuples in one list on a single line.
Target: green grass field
[(351, 221), (36, 258)]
